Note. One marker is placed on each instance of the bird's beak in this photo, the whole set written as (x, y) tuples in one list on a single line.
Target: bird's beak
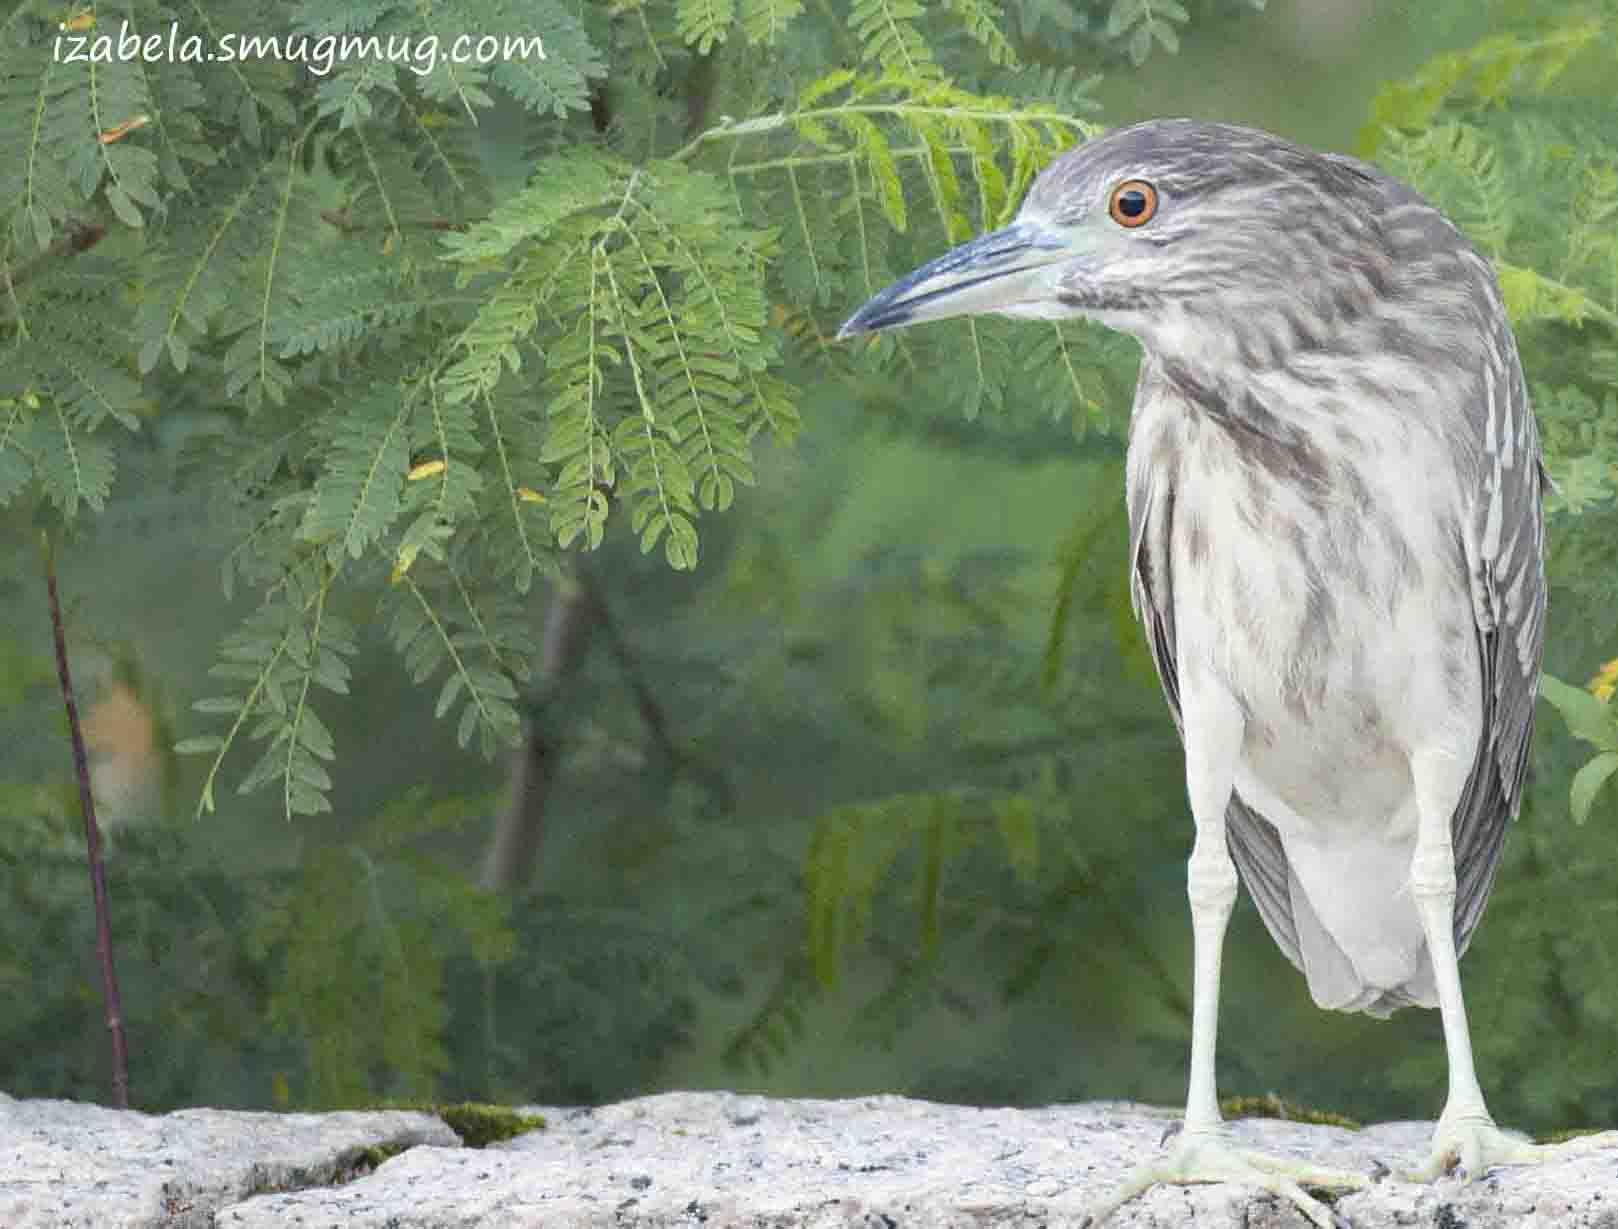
[(994, 272)]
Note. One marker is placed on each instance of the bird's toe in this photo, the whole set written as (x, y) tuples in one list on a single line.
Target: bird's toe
[(1468, 1148), (1200, 1156)]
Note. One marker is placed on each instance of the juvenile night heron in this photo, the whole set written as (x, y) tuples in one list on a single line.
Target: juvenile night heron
[(1335, 547)]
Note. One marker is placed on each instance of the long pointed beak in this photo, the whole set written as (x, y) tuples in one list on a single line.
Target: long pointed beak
[(993, 272)]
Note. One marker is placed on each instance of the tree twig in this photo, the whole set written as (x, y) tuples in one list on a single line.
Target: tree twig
[(92, 842)]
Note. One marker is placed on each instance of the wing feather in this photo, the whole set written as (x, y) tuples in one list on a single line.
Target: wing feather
[(1504, 549), (1505, 554)]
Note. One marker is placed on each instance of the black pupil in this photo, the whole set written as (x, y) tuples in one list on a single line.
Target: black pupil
[(1132, 203)]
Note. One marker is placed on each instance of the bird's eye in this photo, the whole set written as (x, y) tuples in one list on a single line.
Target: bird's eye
[(1133, 203)]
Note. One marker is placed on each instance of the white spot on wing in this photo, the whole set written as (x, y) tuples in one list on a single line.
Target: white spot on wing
[(1509, 437), (1514, 594), (1526, 634), (1490, 407), (1491, 527)]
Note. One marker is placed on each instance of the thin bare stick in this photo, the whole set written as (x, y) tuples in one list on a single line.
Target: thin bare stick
[(92, 842)]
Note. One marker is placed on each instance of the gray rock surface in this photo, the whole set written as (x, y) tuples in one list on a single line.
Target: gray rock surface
[(719, 1160), (64, 1165)]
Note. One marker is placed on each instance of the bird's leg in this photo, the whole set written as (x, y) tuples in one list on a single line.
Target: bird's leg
[(1467, 1138), (1438, 777), (1210, 764), (1213, 726)]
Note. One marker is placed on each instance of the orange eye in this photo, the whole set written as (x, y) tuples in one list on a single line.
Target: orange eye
[(1133, 203)]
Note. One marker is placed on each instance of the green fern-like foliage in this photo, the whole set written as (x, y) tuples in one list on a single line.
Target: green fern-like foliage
[(481, 647), (289, 652), (854, 850), (857, 857), (658, 374), (258, 240), (416, 370), (705, 22), (1127, 30), (362, 935), (859, 166), (353, 1027)]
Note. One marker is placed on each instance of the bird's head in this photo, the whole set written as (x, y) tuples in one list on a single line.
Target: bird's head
[(1206, 241)]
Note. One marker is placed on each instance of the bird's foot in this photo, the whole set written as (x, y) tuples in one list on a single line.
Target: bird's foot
[(1203, 1156), (1470, 1145)]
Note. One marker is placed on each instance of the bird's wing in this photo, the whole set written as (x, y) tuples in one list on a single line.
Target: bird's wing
[(1255, 845), (1504, 541)]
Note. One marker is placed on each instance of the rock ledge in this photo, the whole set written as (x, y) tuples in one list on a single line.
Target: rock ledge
[(716, 1160)]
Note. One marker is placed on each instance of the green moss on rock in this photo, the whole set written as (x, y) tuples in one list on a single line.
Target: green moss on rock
[(478, 1124), (1272, 1106)]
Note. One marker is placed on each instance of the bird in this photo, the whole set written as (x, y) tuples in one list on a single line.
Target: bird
[(1336, 553)]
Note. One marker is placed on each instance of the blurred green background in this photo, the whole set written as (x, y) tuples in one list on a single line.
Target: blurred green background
[(907, 815)]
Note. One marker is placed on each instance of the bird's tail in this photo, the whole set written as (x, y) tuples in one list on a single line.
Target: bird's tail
[(1341, 911), (1337, 981)]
